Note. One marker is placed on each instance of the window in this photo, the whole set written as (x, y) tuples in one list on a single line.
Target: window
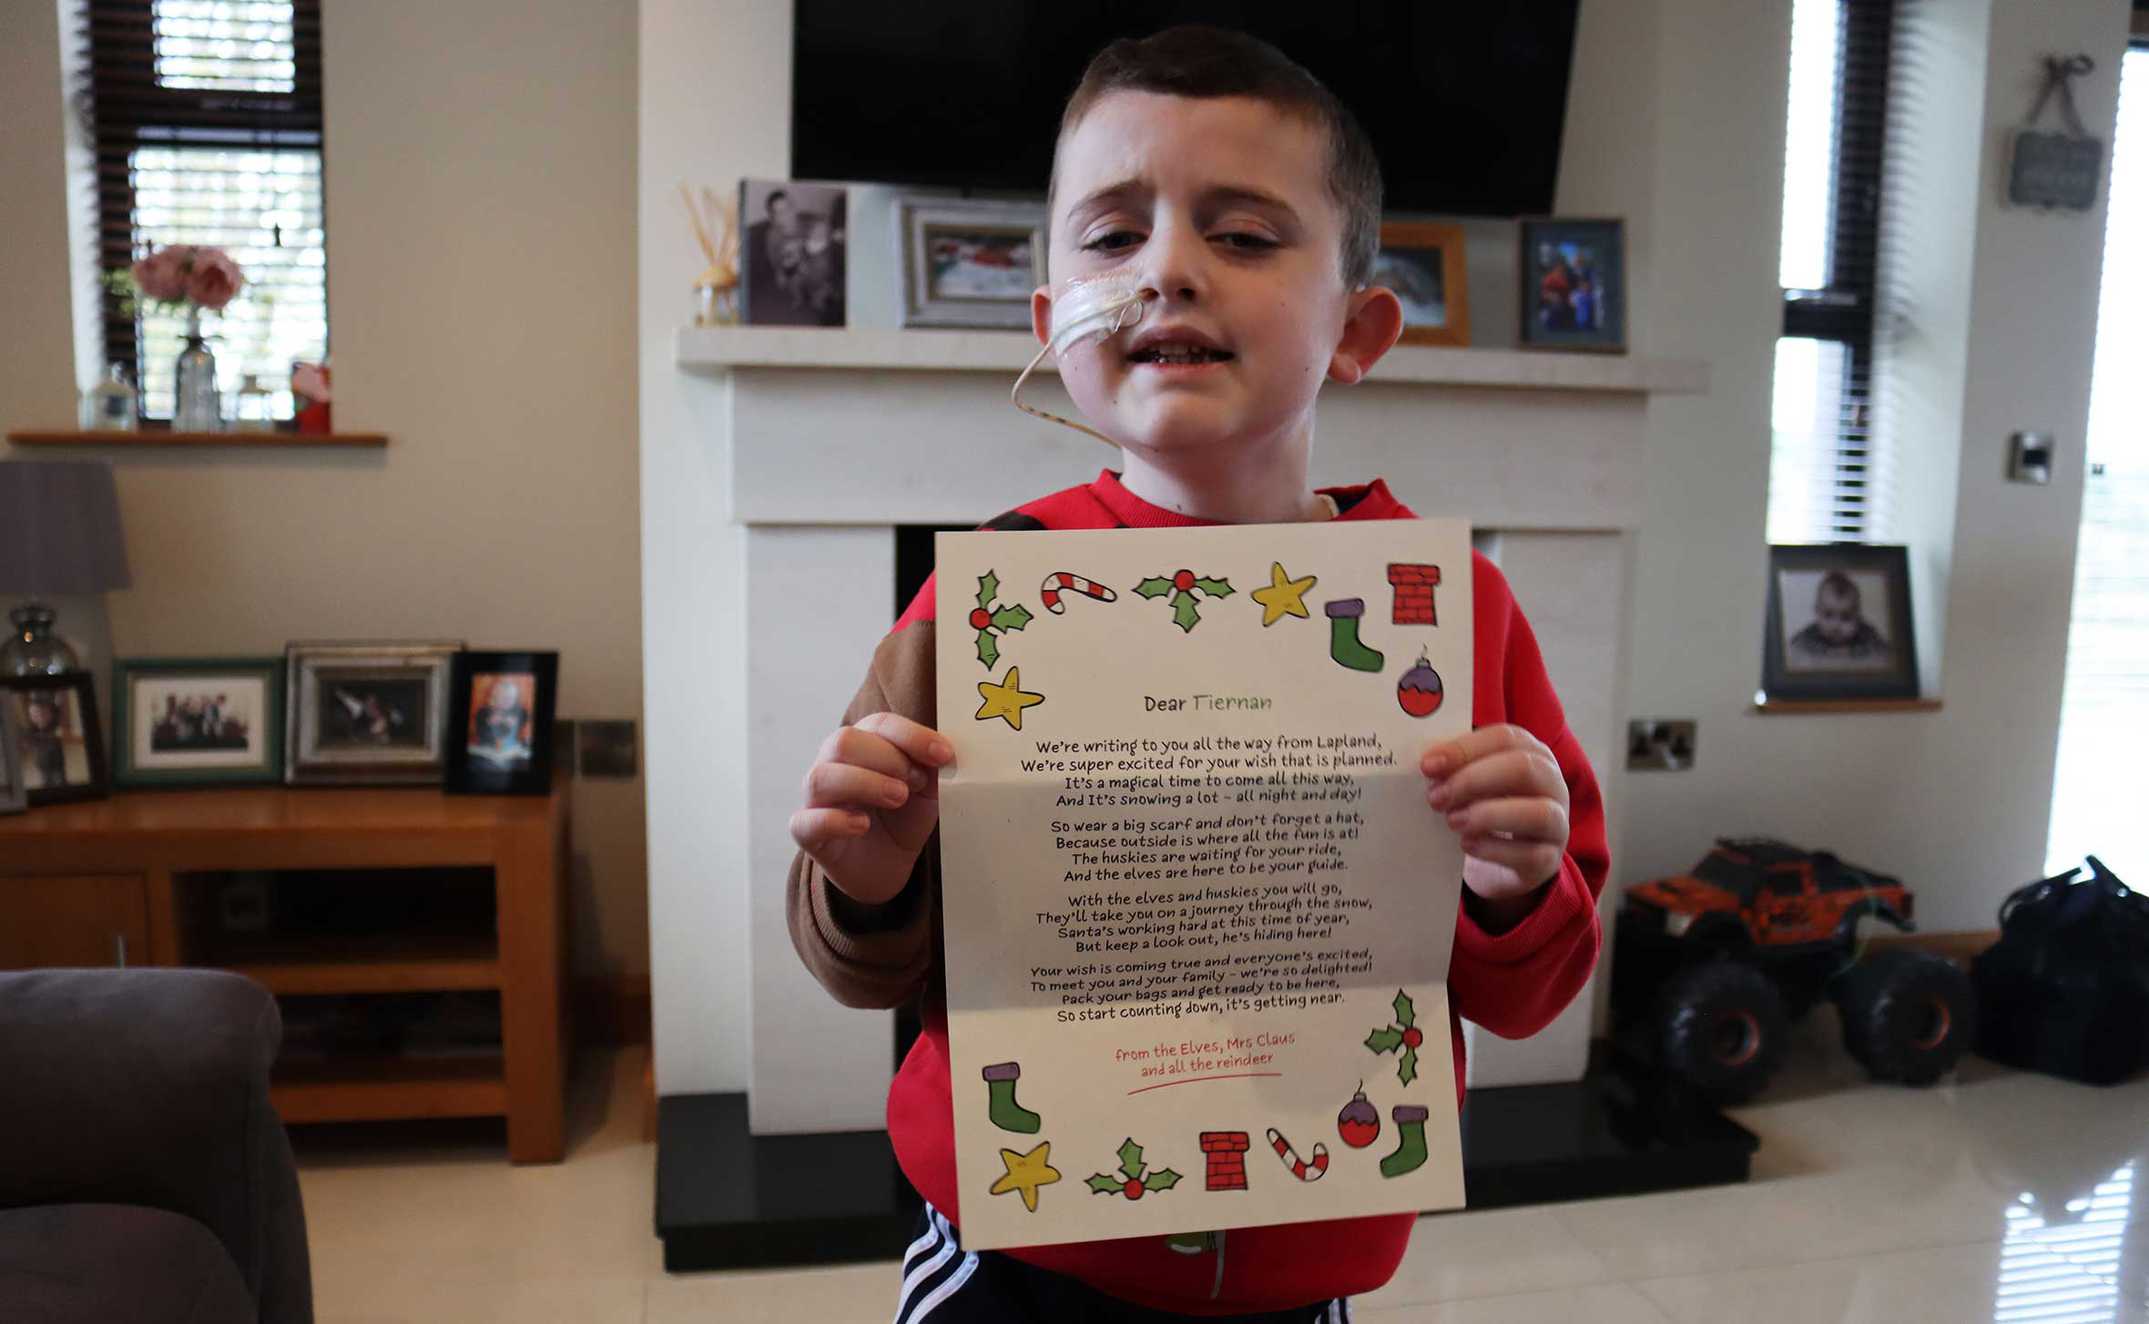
[(205, 116), (2096, 787), (1821, 454)]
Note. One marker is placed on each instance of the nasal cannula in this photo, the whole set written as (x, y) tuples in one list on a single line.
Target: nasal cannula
[(1104, 306)]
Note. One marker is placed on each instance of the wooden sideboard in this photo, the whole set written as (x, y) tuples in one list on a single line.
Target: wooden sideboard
[(106, 883)]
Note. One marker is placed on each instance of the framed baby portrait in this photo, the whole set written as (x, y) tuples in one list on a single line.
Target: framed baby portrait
[(968, 262), (500, 710), (1422, 262), (1839, 623)]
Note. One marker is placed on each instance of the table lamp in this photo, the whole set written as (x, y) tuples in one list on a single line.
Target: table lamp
[(59, 534)]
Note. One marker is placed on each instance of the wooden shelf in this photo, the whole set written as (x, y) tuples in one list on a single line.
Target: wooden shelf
[(167, 437), (358, 1088), (724, 348), (372, 965), (1804, 707)]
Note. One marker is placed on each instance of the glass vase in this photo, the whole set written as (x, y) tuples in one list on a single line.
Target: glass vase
[(198, 407)]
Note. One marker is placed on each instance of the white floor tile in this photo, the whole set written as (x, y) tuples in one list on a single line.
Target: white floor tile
[(1597, 1304), (851, 1294), (1494, 1253)]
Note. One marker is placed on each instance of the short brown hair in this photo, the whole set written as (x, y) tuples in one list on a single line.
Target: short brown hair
[(1196, 61)]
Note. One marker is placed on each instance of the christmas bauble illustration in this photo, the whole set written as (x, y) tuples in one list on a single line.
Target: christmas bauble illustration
[(1359, 1122), (1419, 691)]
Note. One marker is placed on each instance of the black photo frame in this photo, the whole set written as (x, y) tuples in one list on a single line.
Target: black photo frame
[(489, 751), (60, 757), (1826, 638), (1574, 284)]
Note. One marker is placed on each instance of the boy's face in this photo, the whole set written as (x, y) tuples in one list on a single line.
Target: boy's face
[(1220, 207)]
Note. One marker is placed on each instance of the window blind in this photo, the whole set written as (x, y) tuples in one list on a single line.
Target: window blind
[(1822, 455), (205, 119)]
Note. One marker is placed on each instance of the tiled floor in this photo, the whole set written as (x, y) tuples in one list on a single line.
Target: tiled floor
[(1997, 1197)]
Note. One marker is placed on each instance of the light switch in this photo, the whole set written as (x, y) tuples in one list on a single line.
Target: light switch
[(2030, 457)]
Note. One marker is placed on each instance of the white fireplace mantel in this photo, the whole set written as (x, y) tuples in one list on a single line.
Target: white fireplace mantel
[(836, 437)]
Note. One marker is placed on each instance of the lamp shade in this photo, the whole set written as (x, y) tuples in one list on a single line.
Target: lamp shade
[(59, 528)]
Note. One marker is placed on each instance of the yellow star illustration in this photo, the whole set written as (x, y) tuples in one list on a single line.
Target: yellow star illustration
[(1027, 1172), (1006, 700), (1283, 597)]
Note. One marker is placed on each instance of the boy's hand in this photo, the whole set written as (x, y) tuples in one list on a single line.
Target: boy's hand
[(872, 799), (1503, 794)]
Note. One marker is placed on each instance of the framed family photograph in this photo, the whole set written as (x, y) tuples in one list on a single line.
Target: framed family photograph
[(1423, 263), (1574, 285), (791, 261), (366, 712), (500, 723), (59, 747), (970, 263), (1839, 623), (14, 797), (197, 721)]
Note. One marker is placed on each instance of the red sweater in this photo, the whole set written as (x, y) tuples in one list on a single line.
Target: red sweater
[(1512, 983)]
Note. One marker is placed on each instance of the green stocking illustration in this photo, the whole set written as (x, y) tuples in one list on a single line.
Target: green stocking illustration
[(1005, 1113), (1409, 1153), (1343, 643)]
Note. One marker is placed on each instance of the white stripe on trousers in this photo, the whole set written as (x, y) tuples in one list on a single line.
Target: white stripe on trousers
[(928, 1267)]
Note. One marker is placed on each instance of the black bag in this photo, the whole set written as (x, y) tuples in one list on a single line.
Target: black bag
[(2066, 989)]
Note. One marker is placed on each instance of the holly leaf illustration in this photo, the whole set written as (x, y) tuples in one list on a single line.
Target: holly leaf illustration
[(988, 651), (988, 588), (1130, 1160), (1406, 1015), (1101, 1184), (1385, 1040), (1186, 612), (1163, 1179), (1012, 618), (1215, 588), (1407, 1070), (1156, 586)]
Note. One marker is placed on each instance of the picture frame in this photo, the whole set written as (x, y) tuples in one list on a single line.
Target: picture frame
[(1424, 263), (198, 721), (365, 713), (14, 796), (962, 259), (500, 721), (1839, 623), (58, 748), (1574, 284), (792, 253)]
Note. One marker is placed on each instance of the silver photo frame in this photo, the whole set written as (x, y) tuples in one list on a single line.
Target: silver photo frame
[(367, 713), (969, 262)]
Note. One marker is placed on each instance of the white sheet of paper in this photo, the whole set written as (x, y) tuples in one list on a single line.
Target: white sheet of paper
[(1194, 899)]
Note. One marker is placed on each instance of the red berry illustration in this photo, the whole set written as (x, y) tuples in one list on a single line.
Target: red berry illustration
[(1359, 1122), (1413, 1037), (1134, 1190), (980, 618), (1183, 581)]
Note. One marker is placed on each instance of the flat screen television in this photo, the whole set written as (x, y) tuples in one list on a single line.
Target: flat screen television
[(1464, 99)]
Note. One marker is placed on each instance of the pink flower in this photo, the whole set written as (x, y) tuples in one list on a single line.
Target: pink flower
[(215, 278), (162, 275)]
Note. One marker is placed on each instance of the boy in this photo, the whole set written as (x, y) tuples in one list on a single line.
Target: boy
[(1241, 196)]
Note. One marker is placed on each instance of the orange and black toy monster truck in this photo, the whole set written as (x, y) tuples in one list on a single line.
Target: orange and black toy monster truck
[(1710, 968)]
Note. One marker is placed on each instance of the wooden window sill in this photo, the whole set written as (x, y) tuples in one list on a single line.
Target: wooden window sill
[(1804, 707)]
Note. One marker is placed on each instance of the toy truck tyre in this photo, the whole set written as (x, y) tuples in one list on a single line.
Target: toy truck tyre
[(1722, 1027), (1907, 1016)]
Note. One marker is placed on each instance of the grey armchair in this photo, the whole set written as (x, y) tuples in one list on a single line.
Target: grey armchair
[(144, 1177)]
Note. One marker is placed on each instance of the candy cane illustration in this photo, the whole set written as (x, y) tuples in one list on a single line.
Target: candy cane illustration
[(1302, 1169), (1060, 581)]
